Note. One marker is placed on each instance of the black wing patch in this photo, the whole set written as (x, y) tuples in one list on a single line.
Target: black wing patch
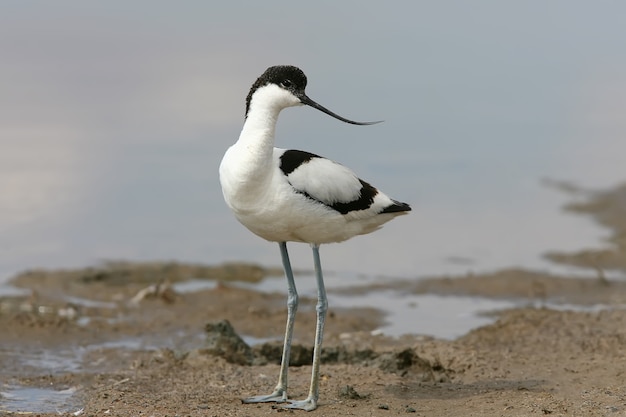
[(292, 159), (364, 201)]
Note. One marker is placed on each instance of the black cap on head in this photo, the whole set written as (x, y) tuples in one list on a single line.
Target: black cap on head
[(293, 79), (286, 76)]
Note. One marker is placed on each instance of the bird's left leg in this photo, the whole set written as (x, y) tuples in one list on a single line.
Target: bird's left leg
[(280, 392), (310, 403)]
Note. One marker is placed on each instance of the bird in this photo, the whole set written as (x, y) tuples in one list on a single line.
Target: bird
[(288, 195)]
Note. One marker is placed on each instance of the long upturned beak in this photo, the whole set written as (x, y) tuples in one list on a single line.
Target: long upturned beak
[(306, 100)]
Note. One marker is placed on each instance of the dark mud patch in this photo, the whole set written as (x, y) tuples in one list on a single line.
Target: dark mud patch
[(224, 342)]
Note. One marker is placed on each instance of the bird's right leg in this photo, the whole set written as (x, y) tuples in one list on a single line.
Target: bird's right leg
[(280, 392)]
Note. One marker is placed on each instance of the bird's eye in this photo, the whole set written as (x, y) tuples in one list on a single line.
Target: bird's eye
[(286, 83)]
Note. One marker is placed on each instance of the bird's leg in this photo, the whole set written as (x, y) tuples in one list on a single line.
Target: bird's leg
[(310, 403), (280, 392)]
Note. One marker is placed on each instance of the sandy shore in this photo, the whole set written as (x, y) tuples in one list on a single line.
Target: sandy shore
[(531, 361)]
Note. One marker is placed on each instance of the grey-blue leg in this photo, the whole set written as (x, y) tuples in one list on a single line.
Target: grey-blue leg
[(280, 392), (310, 403)]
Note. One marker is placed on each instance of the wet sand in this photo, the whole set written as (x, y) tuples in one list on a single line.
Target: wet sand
[(119, 340)]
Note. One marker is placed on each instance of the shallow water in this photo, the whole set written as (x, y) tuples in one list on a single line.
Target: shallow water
[(446, 317), (102, 161), (20, 399), (443, 317)]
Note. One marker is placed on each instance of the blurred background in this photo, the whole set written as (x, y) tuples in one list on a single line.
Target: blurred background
[(114, 117)]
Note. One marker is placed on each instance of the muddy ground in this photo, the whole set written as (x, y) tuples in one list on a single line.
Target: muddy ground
[(531, 361), (120, 340)]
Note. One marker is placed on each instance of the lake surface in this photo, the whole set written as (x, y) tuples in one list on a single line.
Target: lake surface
[(114, 117)]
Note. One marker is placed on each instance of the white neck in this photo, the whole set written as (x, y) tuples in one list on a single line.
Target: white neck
[(248, 164), (260, 126), (256, 140), (257, 134)]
